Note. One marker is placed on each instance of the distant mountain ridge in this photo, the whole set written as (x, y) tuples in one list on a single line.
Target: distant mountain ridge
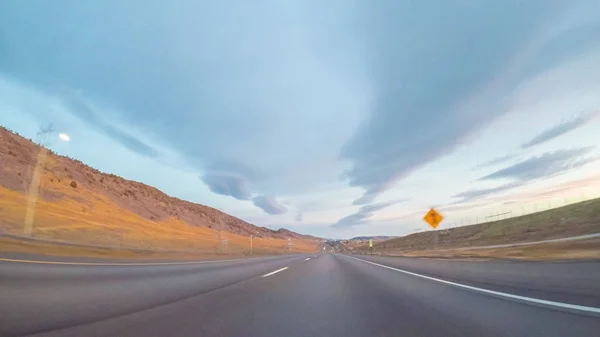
[(378, 237)]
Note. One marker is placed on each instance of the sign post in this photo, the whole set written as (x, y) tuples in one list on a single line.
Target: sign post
[(433, 218)]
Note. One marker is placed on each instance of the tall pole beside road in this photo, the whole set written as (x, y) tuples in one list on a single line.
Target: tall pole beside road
[(433, 218), (34, 189), (44, 135)]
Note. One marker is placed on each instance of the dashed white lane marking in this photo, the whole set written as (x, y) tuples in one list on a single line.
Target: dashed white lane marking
[(525, 299), (275, 272), (308, 258), (118, 264)]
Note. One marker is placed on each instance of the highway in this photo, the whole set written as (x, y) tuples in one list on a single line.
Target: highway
[(301, 295)]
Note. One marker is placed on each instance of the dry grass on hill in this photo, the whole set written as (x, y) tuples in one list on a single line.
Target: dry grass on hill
[(578, 219), (80, 204)]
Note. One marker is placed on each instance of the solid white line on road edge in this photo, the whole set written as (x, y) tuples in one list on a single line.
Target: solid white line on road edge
[(120, 264), (308, 258), (275, 272), (530, 300)]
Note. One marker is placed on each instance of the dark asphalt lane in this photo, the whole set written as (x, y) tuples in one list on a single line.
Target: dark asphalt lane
[(575, 282), (42, 297), (330, 295)]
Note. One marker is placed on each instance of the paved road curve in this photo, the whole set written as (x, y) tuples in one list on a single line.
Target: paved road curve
[(327, 295)]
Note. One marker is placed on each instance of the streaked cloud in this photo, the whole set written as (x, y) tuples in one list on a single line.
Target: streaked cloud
[(426, 106), (496, 161), (364, 213), (85, 112), (545, 165), (475, 194), (561, 129)]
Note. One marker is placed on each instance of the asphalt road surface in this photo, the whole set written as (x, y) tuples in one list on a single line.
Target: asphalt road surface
[(301, 295)]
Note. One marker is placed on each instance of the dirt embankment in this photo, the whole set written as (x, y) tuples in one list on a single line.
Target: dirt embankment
[(78, 203), (578, 219)]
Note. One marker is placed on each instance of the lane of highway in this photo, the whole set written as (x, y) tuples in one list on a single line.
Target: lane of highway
[(570, 282), (327, 295), (45, 296)]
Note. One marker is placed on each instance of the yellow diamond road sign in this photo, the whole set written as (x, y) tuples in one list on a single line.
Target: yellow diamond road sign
[(433, 218)]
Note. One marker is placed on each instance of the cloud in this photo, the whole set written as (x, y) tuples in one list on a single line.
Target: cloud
[(363, 214), (403, 83), (237, 168), (411, 215), (352, 220), (299, 217), (208, 86), (545, 165), (230, 179), (320, 203), (269, 205), (560, 129), (536, 167), (226, 184), (431, 97), (495, 161), (379, 206), (86, 113), (562, 190), (472, 195)]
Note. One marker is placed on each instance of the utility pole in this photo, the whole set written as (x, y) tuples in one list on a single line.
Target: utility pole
[(221, 235), (34, 186), (269, 239), (250, 244)]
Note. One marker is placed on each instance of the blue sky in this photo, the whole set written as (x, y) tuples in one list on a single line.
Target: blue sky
[(337, 119)]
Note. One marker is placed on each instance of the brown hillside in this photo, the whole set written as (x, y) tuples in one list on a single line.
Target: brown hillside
[(582, 218), (76, 199)]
